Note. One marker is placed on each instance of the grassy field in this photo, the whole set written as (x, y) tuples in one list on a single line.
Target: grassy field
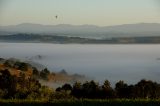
[(85, 102)]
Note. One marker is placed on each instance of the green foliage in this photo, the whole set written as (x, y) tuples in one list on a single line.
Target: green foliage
[(90, 90), (35, 71), (67, 87), (27, 87), (107, 90), (147, 89), (21, 66), (46, 92), (62, 95), (7, 83), (2, 93), (81, 102), (17, 87), (93, 90), (121, 89), (44, 74), (33, 96), (77, 90)]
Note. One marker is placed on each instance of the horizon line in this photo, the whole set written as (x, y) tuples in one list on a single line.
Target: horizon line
[(80, 24)]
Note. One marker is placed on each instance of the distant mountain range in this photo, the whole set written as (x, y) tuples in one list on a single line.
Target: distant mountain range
[(85, 31)]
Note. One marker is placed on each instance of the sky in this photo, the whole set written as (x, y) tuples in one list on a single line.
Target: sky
[(79, 12)]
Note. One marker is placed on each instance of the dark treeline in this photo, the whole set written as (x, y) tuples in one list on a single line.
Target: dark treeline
[(142, 90), (24, 37), (22, 87)]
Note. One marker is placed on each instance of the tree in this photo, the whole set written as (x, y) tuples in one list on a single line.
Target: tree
[(8, 63), (45, 92), (58, 89), (44, 74), (90, 90), (35, 71), (121, 89), (107, 91), (66, 87), (7, 83), (77, 90), (147, 89), (21, 66)]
